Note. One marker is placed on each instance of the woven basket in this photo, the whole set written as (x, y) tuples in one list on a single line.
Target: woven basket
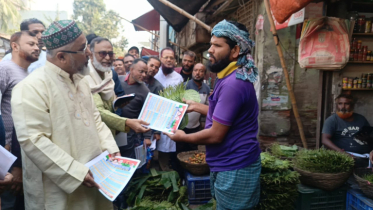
[(195, 169), (365, 186), (324, 181)]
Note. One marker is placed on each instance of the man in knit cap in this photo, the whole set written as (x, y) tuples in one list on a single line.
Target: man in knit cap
[(59, 127)]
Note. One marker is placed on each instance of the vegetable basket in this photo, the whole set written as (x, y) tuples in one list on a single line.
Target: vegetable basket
[(365, 185), (195, 169), (325, 181)]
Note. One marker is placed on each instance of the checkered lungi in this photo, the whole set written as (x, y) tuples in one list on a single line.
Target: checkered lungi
[(237, 189)]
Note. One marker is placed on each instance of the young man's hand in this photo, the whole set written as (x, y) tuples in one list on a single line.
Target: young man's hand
[(177, 136), (147, 142), (157, 136)]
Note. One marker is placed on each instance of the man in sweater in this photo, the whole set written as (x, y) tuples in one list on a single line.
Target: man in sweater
[(153, 67), (134, 83)]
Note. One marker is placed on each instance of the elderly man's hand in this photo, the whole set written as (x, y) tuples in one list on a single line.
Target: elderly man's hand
[(6, 183), (17, 185), (137, 125), (89, 181)]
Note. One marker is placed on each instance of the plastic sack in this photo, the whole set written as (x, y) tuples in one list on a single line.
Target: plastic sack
[(283, 9), (324, 43)]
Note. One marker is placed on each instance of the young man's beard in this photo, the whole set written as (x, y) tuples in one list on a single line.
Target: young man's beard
[(167, 70), (188, 70), (28, 57), (219, 65)]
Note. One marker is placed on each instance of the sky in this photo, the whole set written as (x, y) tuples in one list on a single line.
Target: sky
[(128, 9)]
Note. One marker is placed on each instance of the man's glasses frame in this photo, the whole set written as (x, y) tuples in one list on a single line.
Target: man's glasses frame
[(76, 52)]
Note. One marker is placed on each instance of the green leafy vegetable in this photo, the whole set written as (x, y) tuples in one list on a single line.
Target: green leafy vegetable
[(323, 161), (278, 184), (283, 151), (178, 93), (368, 177), (158, 190)]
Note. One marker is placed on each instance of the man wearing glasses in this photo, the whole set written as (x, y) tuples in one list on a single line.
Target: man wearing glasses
[(167, 77), (59, 127), (102, 87)]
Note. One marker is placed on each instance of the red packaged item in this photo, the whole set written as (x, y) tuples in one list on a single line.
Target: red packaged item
[(282, 10), (324, 44)]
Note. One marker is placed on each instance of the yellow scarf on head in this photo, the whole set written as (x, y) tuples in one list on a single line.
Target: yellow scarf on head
[(228, 70)]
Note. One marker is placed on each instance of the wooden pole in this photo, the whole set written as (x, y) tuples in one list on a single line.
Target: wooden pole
[(286, 73), (191, 17)]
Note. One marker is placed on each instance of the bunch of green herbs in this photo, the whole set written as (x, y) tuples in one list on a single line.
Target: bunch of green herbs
[(158, 190), (278, 184), (368, 177), (283, 151), (178, 93), (323, 161)]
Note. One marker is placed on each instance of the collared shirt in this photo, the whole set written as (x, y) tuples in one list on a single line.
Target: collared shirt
[(33, 66), (59, 129), (234, 104), (204, 91), (170, 79)]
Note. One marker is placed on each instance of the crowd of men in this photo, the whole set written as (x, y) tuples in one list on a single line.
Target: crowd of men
[(57, 114)]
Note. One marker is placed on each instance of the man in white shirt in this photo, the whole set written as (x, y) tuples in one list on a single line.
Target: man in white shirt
[(37, 27), (167, 77)]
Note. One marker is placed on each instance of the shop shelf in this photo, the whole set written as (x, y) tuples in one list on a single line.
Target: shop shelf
[(357, 201), (363, 62), (362, 34), (311, 198), (357, 88), (198, 187)]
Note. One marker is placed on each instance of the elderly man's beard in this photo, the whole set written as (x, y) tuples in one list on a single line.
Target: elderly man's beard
[(344, 113), (166, 69), (82, 70), (219, 65), (99, 66)]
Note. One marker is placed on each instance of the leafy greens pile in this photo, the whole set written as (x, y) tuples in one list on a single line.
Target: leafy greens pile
[(323, 161), (278, 184), (283, 151), (178, 93), (157, 191)]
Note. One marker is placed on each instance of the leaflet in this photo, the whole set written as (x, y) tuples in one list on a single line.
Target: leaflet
[(163, 114), (7, 160), (112, 175)]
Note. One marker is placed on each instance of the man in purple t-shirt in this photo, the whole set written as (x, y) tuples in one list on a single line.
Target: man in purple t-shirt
[(232, 149)]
